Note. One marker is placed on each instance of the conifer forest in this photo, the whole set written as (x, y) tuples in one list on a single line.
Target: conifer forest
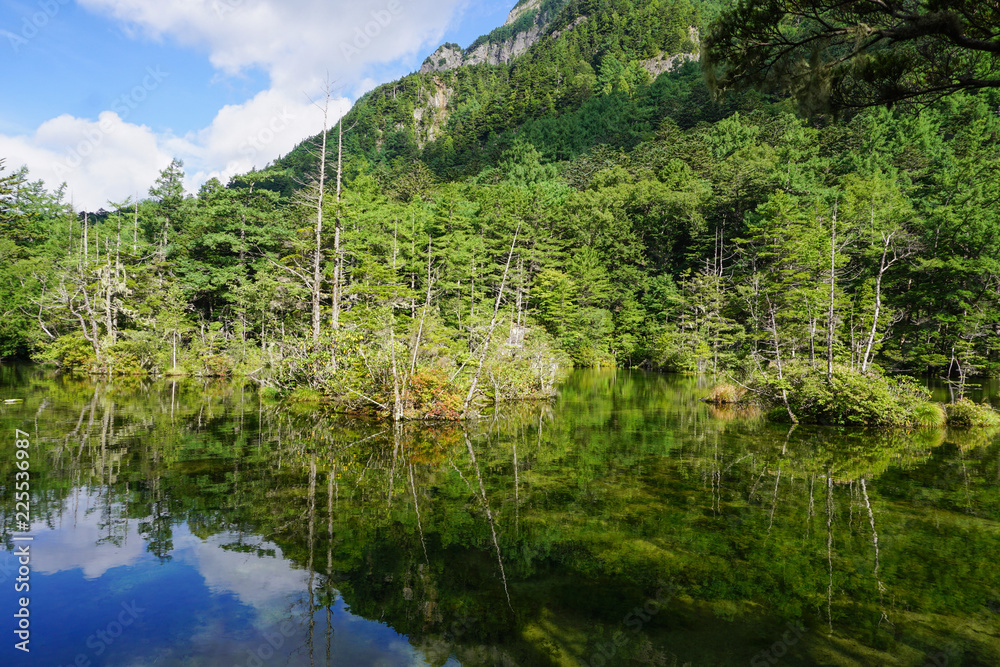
[(637, 189)]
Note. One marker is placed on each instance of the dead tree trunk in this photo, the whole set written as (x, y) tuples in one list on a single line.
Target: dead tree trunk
[(493, 323), (317, 280)]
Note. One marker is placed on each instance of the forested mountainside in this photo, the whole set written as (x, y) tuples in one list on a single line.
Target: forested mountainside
[(585, 201), (459, 116)]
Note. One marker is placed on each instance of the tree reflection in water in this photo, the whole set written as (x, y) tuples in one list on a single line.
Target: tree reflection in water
[(481, 548)]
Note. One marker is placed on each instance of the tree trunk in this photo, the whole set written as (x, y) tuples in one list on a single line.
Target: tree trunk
[(135, 229), (865, 360), (493, 324), (318, 257), (833, 282), (317, 281), (423, 316), (335, 320), (777, 359)]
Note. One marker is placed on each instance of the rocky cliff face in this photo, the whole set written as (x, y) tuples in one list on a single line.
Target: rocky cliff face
[(502, 46), (661, 62), (503, 52), (431, 116), (451, 56), (520, 10), (448, 56)]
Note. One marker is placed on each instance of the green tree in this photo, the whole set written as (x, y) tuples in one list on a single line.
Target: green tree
[(168, 190), (855, 54)]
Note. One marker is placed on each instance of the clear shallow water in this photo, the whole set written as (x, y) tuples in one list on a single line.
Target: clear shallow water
[(190, 523)]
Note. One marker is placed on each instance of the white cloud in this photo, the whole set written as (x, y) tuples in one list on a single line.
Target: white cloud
[(299, 43), (252, 134), (111, 159), (99, 160)]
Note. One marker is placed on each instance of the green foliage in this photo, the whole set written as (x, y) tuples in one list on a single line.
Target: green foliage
[(304, 395), (138, 354), (853, 55), (929, 415), (965, 412), (846, 398), (71, 352)]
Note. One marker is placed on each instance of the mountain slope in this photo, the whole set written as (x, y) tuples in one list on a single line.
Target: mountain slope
[(551, 58)]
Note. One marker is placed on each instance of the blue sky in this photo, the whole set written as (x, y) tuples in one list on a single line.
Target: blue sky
[(102, 94)]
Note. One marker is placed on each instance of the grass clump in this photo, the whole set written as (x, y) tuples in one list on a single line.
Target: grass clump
[(725, 393), (304, 395), (929, 414)]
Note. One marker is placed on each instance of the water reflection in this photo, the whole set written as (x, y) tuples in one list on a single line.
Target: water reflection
[(530, 537)]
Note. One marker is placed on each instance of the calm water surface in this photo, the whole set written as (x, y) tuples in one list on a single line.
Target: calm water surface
[(192, 523)]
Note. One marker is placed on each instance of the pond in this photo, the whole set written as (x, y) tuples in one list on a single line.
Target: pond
[(625, 523)]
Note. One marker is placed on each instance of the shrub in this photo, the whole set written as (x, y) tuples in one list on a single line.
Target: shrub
[(432, 396), (72, 353), (216, 365), (304, 395), (135, 355), (270, 393), (966, 412), (847, 398)]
